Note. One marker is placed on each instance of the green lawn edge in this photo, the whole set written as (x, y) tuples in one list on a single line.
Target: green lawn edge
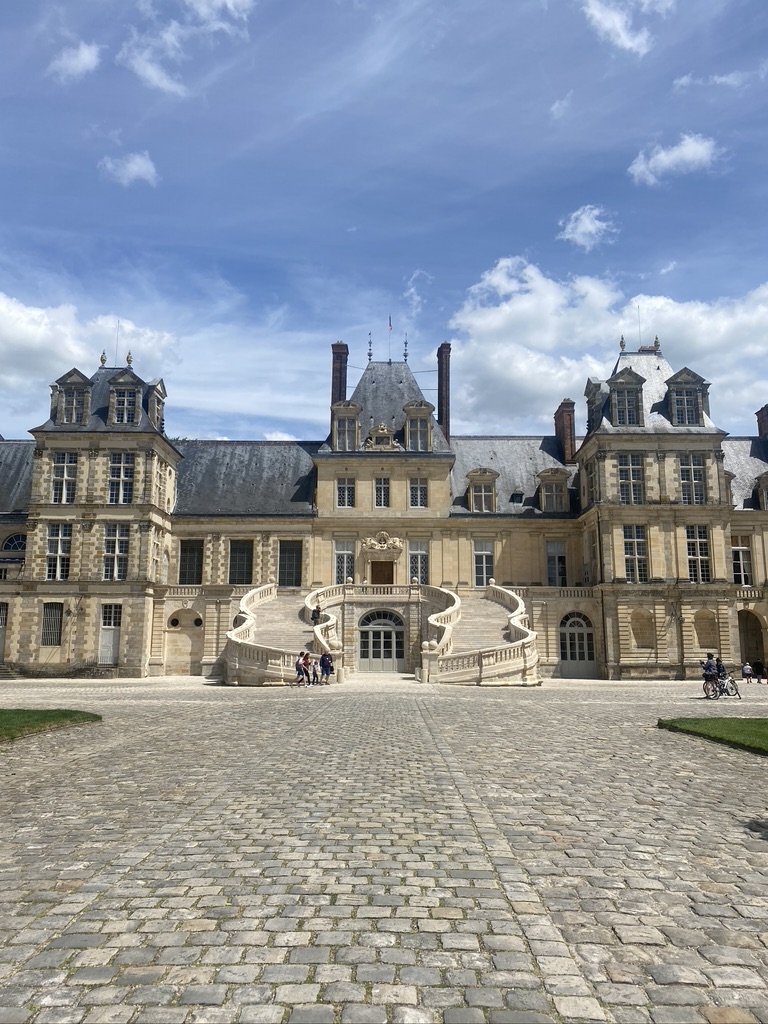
[(742, 733), (16, 723)]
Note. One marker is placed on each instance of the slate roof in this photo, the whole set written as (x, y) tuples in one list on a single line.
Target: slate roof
[(517, 460), (269, 478), (657, 371), (382, 391), (747, 459), (100, 404), (15, 476)]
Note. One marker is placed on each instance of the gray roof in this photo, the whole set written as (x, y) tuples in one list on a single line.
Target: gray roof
[(270, 478), (97, 421), (382, 391), (747, 459), (15, 476), (517, 460), (656, 370)]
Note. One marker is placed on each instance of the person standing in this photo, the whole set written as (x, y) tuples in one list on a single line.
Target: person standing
[(315, 676), (746, 672), (758, 670), (326, 667), (305, 669), (299, 670), (317, 612)]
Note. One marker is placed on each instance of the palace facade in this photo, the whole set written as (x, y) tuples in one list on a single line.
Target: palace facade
[(628, 553)]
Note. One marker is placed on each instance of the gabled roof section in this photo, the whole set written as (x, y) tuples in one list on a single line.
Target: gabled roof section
[(100, 383), (649, 365), (249, 478), (626, 376), (747, 459), (126, 378), (73, 378), (383, 392)]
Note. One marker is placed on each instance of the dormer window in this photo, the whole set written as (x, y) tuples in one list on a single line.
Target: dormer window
[(688, 399), (481, 493), (626, 389), (553, 490), (418, 435), (125, 405), (73, 405), (346, 434)]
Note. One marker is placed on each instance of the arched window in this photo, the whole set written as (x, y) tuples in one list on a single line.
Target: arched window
[(16, 542), (577, 638)]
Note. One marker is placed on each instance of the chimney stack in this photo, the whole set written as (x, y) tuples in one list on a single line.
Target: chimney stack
[(444, 389), (762, 421), (565, 428), (339, 372)]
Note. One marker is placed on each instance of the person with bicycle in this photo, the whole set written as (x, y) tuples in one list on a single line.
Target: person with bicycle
[(709, 668)]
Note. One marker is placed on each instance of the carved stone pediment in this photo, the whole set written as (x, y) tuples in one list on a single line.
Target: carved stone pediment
[(382, 546)]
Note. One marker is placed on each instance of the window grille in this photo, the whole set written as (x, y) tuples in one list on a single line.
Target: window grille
[(53, 613)]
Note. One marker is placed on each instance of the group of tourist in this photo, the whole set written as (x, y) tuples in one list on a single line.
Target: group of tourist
[(313, 671), (714, 667)]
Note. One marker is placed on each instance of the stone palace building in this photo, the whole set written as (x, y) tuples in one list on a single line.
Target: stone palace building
[(628, 553)]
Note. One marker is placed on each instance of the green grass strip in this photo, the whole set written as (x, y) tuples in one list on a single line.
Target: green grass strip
[(22, 721), (744, 733)]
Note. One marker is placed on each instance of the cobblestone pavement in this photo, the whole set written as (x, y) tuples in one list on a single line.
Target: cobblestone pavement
[(381, 851)]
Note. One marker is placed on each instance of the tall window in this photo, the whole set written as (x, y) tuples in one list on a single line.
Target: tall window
[(635, 554), (289, 563), (116, 542), (699, 568), (742, 561), (577, 638), (553, 497), (345, 492), (631, 483), (627, 407), (417, 491), (240, 562), (121, 467), (684, 406), (418, 560), (592, 487), (64, 478), (59, 551), (381, 492), (483, 562), (73, 405), (481, 497), (692, 484), (125, 405), (346, 434), (418, 434), (191, 562), (344, 555), (557, 575), (53, 613)]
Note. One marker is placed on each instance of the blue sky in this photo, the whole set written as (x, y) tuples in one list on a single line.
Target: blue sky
[(242, 182)]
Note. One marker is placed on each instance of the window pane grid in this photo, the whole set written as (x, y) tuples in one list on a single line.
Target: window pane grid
[(240, 562), (626, 408), (692, 482), (125, 406), (345, 492), (59, 550), (121, 468), (685, 407), (64, 482), (697, 542), (381, 493), (116, 547), (345, 434), (73, 407), (635, 554), (418, 492), (418, 435), (742, 561), (482, 497), (631, 481), (191, 562)]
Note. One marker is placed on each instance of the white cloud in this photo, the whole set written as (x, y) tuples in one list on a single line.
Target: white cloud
[(692, 153), (614, 23), (127, 170), (587, 227), (733, 80), (526, 341), (668, 267), (560, 107), (412, 295), (279, 435), (140, 57), (75, 62)]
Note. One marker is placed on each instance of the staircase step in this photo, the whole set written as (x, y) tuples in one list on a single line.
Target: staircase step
[(279, 624), (483, 624)]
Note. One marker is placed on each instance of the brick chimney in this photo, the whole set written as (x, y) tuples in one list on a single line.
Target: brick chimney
[(762, 421), (444, 388), (565, 428), (339, 372)]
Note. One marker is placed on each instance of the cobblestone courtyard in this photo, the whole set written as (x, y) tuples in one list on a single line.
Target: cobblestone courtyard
[(381, 851)]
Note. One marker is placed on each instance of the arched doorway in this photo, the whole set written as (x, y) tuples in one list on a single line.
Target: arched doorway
[(382, 642), (577, 646), (750, 636)]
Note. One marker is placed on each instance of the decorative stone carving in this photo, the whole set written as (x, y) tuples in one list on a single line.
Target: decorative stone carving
[(382, 546)]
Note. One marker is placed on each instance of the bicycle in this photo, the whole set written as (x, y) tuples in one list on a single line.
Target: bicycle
[(720, 686)]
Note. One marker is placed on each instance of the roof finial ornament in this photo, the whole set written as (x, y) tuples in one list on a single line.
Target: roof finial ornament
[(103, 359), (656, 343), (128, 359), (405, 350), (370, 347), (622, 343)]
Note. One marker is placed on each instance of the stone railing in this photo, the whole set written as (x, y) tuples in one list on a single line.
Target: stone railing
[(246, 661), (441, 622), (511, 664), (326, 631)]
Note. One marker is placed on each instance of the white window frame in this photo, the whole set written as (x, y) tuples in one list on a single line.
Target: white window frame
[(345, 492), (698, 551), (117, 539), (557, 563), (418, 492), (122, 467), (418, 434), (344, 560), (483, 552), (381, 492), (64, 478), (59, 551), (418, 561), (693, 480), (741, 550), (631, 473), (635, 554)]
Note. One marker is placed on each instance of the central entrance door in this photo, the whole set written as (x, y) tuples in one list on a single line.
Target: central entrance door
[(382, 643), (383, 573)]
